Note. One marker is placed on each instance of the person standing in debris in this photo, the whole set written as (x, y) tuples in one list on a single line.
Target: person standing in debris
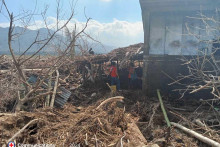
[(114, 76), (139, 73), (91, 52), (131, 76)]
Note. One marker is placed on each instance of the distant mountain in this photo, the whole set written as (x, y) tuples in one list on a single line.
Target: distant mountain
[(22, 42)]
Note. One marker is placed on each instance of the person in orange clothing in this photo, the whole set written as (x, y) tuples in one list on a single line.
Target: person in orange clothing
[(114, 76)]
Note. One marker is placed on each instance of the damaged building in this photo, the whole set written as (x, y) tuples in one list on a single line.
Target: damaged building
[(169, 34)]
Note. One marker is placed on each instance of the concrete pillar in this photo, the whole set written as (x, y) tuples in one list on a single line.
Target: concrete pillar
[(146, 24)]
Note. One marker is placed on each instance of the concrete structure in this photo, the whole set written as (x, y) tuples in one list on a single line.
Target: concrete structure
[(167, 24)]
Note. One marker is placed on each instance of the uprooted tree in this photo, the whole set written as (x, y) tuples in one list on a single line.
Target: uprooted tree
[(35, 91)]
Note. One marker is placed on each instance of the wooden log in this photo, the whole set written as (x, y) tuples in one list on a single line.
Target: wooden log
[(135, 136), (197, 135)]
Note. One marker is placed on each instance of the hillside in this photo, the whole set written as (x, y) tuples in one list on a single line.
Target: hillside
[(25, 40)]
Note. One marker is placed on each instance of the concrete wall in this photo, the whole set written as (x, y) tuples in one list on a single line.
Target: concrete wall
[(170, 37), (163, 70), (170, 27), (180, 33)]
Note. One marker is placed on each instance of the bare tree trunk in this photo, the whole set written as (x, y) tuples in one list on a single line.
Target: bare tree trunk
[(55, 89), (31, 91)]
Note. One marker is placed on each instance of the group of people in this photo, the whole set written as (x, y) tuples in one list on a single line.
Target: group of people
[(134, 76)]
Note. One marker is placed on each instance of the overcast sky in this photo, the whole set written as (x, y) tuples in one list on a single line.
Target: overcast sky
[(114, 22)]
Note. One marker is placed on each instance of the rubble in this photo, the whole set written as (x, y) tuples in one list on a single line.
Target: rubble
[(93, 116), (120, 54), (101, 127), (105, 122)]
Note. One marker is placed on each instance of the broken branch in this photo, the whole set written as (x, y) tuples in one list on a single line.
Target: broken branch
[(20, 131)]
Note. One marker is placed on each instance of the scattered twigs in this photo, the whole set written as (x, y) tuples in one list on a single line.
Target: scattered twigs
[(197, 135), (117, 98), (120, 142), (201, 87), (122, 139), (183, 118), (155, 106), (96, 141), (204, 126), (198, 122), (177, 109), (20, 131)]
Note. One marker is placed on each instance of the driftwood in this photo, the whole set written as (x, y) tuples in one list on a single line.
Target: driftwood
[(7, 114), (197, 135), (117, 98), (20, 131)]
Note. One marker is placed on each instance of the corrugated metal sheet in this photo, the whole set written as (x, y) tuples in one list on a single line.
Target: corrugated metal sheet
[(60, 99), (32, 79)]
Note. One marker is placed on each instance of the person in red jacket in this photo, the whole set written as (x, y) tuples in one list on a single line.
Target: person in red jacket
[(114, 76)]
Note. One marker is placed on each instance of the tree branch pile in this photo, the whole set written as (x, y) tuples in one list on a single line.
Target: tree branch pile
[(102, 124)]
